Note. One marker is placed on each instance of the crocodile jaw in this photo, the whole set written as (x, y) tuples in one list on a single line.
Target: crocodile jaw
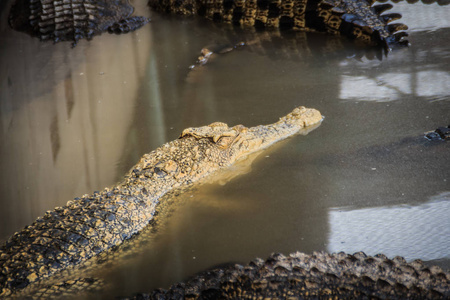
[(261, 137), (239, 141)]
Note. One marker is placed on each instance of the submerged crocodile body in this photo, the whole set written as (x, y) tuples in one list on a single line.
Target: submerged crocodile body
[(87, 226), (316, 276), (355, 19), (72, 20)]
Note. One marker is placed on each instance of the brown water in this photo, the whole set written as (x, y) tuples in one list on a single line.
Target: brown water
[(73, 121)]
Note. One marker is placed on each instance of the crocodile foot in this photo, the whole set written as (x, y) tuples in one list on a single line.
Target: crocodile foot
[(442, 133)]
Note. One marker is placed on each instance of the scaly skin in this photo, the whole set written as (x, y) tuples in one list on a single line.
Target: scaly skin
[(440, 134), (72, 20), (70, 235), (317, 276), (351, 18)]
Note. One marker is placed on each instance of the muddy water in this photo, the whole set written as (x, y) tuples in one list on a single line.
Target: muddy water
[(73, 121)]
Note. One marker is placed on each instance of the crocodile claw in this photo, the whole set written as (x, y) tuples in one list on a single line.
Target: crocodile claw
[(380, 8), (387, 18), (393, 28)]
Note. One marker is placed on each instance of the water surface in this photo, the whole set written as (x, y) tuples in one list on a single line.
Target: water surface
[(73, 121)]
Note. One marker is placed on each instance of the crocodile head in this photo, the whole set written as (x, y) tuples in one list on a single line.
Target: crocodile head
[(219, 133), (232, 143), (203, 150)]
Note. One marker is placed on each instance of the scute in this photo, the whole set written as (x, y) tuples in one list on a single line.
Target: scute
[(72, 20), (316, 276), (337, 17)]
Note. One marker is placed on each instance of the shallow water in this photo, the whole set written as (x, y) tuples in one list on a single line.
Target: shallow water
[(73, 121)]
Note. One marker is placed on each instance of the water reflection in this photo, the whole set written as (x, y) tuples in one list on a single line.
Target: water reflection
[(391, 86), (414, 232), (420, 16), (65, 116), (361, 88), (433, 84), (399, 76), (75, 120)]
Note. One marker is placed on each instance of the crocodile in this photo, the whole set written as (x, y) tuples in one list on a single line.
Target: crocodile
[(77, 19), (360, 20), (440, 134), (72, 20), (87, 226), (317, 276)]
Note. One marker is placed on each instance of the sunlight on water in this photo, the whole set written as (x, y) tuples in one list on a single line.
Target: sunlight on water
[(75, 120), (432, 84), (391, 86), (423, 16), (413, 232), (360, 88)]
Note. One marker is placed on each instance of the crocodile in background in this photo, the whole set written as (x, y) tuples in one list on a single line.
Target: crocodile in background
[(355, 19), (72, 20), (316, 276)]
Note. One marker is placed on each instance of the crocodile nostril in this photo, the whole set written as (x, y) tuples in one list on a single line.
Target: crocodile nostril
[(159, 172)]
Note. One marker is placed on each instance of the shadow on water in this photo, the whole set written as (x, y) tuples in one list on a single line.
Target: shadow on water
[(75, 120)]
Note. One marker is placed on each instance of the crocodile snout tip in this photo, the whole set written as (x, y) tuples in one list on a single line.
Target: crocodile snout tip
[(304, 116)]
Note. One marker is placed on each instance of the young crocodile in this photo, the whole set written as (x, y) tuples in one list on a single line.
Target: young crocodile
[(69, 235)]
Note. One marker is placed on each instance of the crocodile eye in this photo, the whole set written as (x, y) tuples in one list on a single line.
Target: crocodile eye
[(224, 141), (160, 172)]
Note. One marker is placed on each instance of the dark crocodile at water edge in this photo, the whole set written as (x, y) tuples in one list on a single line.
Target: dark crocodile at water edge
[(72, 20), (316, 276), (440, 134), (355, 19), (70, 235)]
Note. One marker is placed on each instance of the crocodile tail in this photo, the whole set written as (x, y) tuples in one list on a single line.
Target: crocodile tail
[(71, 20), (53, 20), (355, 19), (361, 21)]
